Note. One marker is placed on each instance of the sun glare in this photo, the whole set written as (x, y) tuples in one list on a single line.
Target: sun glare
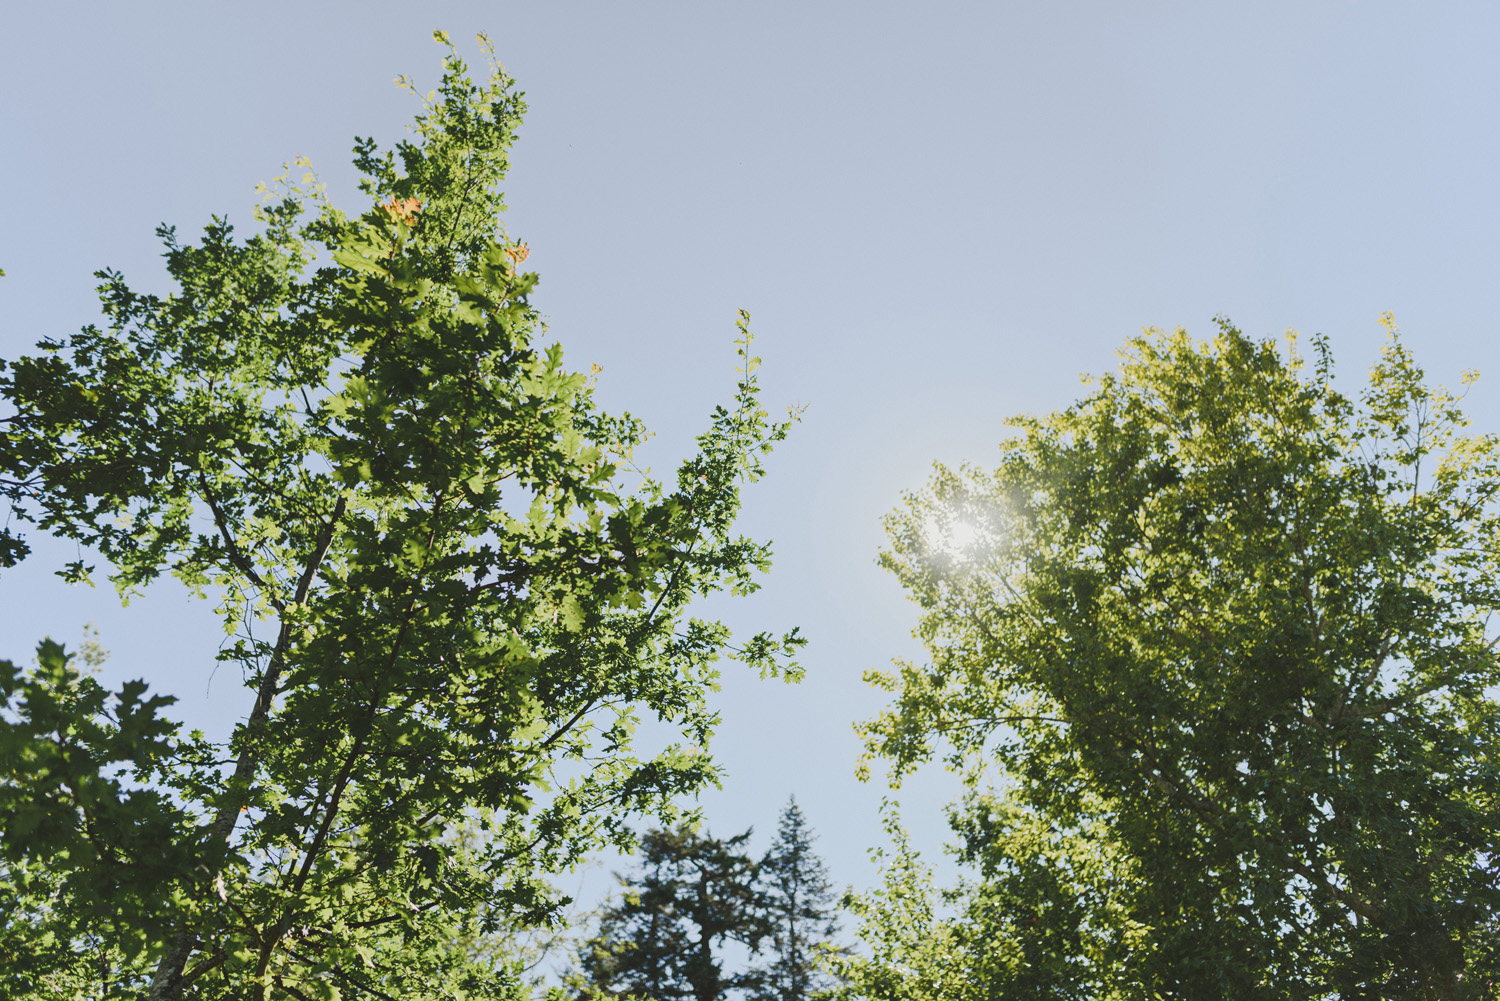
[(954, 537)]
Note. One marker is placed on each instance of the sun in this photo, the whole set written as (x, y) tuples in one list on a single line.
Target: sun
[(954, 536)]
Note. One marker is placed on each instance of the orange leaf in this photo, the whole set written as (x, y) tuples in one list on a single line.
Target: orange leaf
[(403, 209)]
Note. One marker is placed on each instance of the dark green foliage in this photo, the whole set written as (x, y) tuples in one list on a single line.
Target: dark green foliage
[(1212, 646), (443, 598), (662, 939), (91, 830)]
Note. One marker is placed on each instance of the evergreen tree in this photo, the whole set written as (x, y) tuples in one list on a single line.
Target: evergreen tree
[(661, 940), (797, 900)]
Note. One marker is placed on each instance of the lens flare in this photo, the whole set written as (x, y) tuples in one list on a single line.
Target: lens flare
[(954, 537)]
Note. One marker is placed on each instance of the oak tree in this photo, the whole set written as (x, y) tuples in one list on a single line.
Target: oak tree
[(449, 602)]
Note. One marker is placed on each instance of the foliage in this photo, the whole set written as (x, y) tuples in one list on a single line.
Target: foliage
[(911, 953), (1211, 646), (449, 611), (661, 940)]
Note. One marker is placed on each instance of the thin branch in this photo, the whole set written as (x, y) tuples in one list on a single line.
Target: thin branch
[(236, 555)]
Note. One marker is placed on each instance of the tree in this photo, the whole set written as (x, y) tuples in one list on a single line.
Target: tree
[(661, 940), (798, 902), (693, 894), (1212, 646), (441, 597)]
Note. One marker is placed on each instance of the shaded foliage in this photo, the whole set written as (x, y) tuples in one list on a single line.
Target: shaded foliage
[(662, 939)]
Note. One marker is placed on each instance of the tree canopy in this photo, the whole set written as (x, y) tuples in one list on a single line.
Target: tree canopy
[(449, 607), (1214, 648)]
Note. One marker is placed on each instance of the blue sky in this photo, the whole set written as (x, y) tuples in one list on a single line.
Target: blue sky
[(939, 216)]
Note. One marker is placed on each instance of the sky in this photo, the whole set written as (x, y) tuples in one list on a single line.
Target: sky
[(939, 216)]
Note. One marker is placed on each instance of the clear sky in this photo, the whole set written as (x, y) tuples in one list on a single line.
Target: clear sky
[(939, 215)]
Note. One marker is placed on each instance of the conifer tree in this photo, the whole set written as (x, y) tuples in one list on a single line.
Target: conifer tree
[(662, 939), (798, 904)]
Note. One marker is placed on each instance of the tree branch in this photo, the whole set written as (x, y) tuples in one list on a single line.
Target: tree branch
[(168, 982)]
